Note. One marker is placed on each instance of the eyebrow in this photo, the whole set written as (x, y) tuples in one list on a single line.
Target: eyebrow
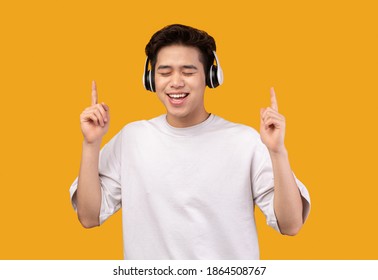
[(184, 66)]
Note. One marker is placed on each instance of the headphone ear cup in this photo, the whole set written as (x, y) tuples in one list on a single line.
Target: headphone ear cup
[(149, 80), (148, 77), (152, 80), (146, 81), (212, 81), (208, 77), (215, 77)]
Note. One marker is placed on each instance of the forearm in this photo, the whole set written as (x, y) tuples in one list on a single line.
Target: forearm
[(88, 193), (288, 205)]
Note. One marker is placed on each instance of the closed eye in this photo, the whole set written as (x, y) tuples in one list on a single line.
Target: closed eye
[(164, 74)]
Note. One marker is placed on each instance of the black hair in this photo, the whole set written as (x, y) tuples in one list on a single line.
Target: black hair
[(178, 34)]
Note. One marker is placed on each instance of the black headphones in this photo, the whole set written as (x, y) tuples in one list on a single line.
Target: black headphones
[(213, 79)]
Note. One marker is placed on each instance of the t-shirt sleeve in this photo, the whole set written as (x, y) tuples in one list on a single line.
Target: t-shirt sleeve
[(263, 186), (110, 179)]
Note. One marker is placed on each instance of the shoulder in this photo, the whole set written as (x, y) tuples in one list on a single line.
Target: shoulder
[(142, 126), (241, 137), (237, 129)]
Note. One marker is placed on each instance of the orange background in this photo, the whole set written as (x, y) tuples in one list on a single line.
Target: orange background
[(321, 57)]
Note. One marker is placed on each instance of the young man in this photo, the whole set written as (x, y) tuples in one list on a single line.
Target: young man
[(188, 180)]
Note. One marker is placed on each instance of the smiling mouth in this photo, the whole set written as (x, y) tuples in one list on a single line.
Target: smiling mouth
[(178, 96)]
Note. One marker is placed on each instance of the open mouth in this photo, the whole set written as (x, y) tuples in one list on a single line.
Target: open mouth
[(178, 96)]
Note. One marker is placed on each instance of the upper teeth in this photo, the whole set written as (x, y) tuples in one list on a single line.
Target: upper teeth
[(177, 95)]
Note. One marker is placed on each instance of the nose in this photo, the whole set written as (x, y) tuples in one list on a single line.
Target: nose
[(177, 81)]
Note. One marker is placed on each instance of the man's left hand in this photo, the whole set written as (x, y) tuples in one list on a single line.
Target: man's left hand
[(272, 126)]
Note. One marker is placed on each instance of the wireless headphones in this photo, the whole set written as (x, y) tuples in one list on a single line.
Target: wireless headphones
[(213, 79)]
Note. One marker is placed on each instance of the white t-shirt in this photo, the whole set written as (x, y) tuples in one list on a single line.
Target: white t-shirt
[(188, 193)]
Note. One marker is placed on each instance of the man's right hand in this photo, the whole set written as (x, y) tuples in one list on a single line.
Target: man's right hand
[(95, 119)]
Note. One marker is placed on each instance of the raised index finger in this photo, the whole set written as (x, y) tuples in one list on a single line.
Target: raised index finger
[(94, 93), (273, 99)]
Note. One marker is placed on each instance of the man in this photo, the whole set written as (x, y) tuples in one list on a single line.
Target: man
[(188, 180)]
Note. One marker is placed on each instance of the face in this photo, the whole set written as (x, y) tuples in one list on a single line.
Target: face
[(180, 85)]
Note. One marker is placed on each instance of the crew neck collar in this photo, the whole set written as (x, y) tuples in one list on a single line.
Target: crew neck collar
[(186, 131)]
